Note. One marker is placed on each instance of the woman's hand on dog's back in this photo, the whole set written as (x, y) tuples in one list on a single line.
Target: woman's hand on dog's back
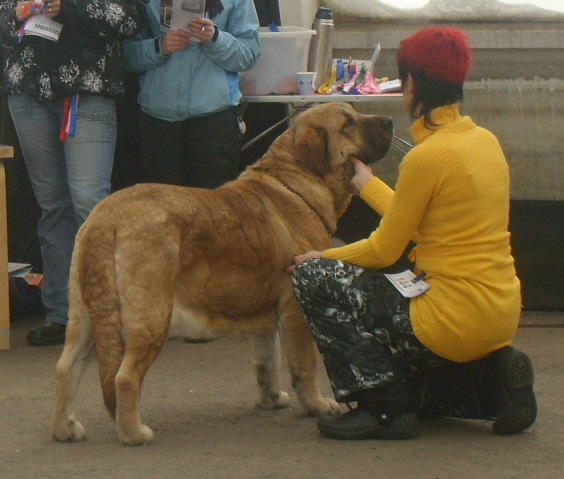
[(300, 258)]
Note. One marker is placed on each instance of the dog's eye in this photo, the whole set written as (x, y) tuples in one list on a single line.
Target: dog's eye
[(349, 123)]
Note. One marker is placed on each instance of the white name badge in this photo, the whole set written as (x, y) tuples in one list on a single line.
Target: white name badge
[(408, 284)]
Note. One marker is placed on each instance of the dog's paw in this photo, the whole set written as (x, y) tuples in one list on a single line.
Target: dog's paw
[(322, 407), (279, 401), (69, 431), (143, 437)]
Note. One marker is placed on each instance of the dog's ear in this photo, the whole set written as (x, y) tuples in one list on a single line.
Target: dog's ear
[(311, 149)]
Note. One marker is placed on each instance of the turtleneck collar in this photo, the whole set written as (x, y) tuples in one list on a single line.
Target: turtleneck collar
[(440, 116)]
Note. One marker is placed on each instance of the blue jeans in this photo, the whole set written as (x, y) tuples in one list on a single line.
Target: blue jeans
[(68, 179)]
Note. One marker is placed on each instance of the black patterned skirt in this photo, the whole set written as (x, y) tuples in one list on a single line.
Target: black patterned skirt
[(361, 325)]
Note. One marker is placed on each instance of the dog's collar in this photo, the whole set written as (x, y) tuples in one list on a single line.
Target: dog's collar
[(289, 188)]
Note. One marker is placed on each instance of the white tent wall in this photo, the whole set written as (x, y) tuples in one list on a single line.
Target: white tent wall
[(298, 13)]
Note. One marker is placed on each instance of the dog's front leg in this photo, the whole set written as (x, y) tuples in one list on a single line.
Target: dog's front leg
[(266, 351), (300, 350)]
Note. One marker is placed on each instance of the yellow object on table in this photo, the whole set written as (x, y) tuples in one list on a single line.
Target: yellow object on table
[(5, 152)]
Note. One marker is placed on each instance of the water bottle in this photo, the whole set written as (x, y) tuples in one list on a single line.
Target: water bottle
[(321, 46)]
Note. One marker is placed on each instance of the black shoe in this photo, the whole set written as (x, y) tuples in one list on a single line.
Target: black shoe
[(48, 334), (360, 424), (516, 406)]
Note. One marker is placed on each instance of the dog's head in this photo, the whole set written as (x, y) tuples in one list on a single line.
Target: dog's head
[(327, 135)]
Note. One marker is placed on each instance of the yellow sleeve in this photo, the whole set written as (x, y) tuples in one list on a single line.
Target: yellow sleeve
[(377, 195), (416, 182)]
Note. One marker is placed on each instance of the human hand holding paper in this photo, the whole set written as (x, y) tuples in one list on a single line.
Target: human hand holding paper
[(175, 40), (52, 8), (201, 28)]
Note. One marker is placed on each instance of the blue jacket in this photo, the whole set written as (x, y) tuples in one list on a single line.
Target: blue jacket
[(201, 79)]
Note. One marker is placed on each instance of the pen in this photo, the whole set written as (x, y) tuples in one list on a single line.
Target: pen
[(418, 278)]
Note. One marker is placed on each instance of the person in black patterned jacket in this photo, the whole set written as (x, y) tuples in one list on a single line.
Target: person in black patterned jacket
[(62, 92)]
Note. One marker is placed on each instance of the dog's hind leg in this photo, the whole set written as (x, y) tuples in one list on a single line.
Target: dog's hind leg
[(266, 350), (76, 355), (139, 356), (300, 350), (145, 316), (146, 290)]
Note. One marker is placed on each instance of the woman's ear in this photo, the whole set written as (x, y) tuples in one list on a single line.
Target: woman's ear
[(408, 85)]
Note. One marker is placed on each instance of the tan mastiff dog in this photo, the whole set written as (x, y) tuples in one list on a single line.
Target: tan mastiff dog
[(156, 261)]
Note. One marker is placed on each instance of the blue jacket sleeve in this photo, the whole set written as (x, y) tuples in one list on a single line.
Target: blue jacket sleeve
[(237, 48), (139, 51)]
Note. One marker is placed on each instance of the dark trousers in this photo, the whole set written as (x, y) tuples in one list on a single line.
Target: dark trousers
[(361, 325), (201, 152), (363, 331)]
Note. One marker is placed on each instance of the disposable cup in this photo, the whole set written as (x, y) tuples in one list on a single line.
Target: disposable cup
[(306, 83)]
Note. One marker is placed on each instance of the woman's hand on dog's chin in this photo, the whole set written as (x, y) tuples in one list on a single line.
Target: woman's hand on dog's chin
[(300, 258), (363, 174)]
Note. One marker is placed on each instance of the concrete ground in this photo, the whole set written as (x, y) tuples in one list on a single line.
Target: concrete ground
[(198, 398)]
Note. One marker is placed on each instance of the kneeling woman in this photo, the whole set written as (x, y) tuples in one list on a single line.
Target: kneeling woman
[(447, 351)]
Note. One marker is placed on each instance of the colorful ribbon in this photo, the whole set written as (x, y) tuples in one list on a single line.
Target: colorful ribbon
[(70, 110)]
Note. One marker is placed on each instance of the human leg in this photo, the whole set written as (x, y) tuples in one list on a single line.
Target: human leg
[(213, 149), (37, 126), (163, 150), (89, 154), (362, 329), (68, 180), (498, 388)]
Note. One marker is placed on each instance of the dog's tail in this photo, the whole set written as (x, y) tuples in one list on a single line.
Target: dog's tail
[(96, 270)]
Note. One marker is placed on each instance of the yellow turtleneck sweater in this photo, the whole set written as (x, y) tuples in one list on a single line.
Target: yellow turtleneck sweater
[(452, 200)]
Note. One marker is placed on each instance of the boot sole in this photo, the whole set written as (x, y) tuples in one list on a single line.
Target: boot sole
[(515, 398)]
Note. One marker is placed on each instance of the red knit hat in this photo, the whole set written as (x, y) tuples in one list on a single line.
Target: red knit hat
[(441, 53)]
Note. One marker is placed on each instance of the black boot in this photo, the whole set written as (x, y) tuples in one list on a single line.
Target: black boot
[(381, 413), (498, 388), (512, 391)]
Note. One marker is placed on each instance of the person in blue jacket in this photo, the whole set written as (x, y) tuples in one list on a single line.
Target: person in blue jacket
[(190, 127)]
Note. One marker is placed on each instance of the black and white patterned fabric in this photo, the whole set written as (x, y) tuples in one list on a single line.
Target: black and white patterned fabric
[(87, 57), (361, 325)]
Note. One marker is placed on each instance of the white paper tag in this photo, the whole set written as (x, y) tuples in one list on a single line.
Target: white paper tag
[(175, 14), (407, 283), (43, 26)]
